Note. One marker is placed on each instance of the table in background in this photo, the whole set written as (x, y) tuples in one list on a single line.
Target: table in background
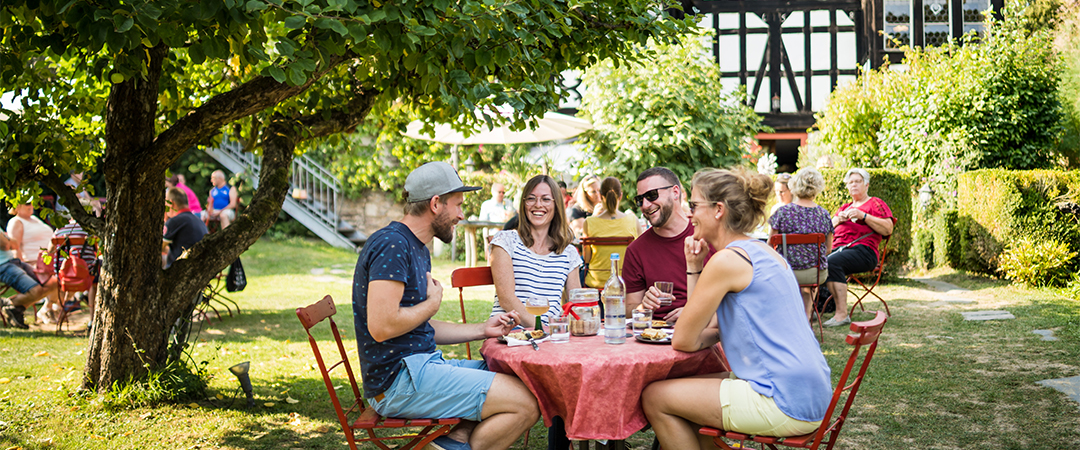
[(596, 387), (469, 227)]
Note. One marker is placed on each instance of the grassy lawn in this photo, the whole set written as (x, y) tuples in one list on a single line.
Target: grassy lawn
[(936, 382)]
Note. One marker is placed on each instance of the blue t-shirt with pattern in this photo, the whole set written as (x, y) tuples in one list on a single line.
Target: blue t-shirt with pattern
[(392, 253)]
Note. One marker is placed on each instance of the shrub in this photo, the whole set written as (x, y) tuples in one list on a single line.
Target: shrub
[(1037, 262), (998, 206), (895, 188)]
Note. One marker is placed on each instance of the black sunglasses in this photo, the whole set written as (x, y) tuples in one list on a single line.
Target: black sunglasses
[(650, 195)]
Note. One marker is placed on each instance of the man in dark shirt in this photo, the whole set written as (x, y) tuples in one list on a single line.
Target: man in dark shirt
[(394, 299), (183, 230), (658, 254)]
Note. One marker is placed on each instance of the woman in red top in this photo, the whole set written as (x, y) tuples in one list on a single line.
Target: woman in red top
[(859, 226)]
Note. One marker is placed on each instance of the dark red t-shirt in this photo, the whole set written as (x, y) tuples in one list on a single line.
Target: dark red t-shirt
[(852, 229), (651, 258)]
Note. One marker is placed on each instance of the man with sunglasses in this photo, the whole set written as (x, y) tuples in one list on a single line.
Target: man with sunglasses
[(657, 255)]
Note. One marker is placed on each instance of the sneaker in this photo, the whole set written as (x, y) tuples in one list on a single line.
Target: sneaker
[(835, 323), (445, 443), (15, 315), (45, 315)]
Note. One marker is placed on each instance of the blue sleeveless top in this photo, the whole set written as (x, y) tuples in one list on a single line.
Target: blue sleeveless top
[(769, 342), (220, 196)]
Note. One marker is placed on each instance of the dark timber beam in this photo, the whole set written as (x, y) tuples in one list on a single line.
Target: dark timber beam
[(770, 6)]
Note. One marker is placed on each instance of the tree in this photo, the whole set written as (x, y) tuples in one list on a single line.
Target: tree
[(670, 110), (128, 86)]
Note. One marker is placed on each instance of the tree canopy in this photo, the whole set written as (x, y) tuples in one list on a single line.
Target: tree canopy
[(127, 86)]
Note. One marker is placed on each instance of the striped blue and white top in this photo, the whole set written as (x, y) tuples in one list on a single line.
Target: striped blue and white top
[(537, 275)]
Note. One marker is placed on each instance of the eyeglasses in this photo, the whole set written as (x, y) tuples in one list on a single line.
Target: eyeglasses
[(543, 200), (650, 195), (694, 205)]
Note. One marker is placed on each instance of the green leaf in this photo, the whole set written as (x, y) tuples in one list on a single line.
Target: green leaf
[(295, 22), (339, 27), (483, 57), (195, 52), (277, 73), (125, 24)]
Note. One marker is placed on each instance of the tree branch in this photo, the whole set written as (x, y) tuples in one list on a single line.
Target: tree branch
[(92, 224), (247, 99)]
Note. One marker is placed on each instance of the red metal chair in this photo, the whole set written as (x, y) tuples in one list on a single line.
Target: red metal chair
[(872, 277), (469, 277), (366, 419), (777, 241), (866, 336), (72, 247)]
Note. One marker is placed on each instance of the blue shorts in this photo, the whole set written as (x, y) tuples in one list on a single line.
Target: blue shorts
[(429, 387), (19, 275)]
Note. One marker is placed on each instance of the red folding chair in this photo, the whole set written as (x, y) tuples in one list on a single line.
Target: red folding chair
[(872, 277), (778, 241), (866, 336), (469, 277), (366, 419)]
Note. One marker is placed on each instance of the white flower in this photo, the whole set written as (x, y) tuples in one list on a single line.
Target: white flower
[(767, 164)]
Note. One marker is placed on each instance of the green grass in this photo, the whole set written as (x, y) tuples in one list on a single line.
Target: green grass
[(936, 382)]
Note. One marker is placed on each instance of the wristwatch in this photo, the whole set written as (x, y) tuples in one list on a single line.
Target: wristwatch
[(864, 217)]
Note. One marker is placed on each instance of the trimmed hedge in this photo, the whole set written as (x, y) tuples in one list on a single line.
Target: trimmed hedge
[(895, 188), (996, 206)]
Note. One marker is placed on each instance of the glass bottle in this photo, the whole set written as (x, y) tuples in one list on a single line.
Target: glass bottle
[(615, 305)]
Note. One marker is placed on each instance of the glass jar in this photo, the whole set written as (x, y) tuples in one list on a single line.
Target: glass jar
[(584, 312)]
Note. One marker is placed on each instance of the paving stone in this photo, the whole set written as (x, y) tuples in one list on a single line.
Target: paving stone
[(959, 300), (1069, 386), (318, 271), (337, 271), (1047, 335), (942, 286), (987, 315)]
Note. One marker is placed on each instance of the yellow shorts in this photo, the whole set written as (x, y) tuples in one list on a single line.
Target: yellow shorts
[(746, 411)]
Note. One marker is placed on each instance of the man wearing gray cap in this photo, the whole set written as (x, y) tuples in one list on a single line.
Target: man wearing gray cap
[(394, 299)]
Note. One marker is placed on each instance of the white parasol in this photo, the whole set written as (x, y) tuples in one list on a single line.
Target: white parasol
[(551, 127)]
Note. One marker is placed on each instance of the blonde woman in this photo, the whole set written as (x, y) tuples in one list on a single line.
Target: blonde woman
[(746, 298), (803, 216), (607, 222), (586, 201)]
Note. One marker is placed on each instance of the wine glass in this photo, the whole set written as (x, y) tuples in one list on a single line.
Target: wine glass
[(536, 306)]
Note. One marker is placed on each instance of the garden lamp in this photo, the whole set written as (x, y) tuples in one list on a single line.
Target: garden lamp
[(241, 372), (926, 193)]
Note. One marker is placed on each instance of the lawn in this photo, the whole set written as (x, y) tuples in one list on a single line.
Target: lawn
[(936, 382)]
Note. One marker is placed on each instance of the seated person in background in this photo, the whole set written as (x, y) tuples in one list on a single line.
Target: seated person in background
[(803, 216), (394, 299), (29, 234), (657, 254), (859, 227), (607, 222), (84, 196), (183, 230), (538, 259), (782, 188), (747, 299), (221, 204), (177, 181), (586, 200), (88, 255), (568, 200), (19, 276)]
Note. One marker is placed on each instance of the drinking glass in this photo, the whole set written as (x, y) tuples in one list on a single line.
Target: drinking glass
[(536, 306), (560, 329), (642, 319), (666, 288)]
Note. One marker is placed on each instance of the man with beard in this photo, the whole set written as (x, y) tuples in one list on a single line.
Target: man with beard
[(394, 300), (658, 254)]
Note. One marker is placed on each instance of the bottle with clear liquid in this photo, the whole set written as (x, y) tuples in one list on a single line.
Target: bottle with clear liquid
[(615, 305)]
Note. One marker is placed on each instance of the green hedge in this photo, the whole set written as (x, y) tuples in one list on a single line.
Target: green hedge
[(895, 188), (996, 206)]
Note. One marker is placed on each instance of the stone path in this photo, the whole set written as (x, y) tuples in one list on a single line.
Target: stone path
[(947, 293)]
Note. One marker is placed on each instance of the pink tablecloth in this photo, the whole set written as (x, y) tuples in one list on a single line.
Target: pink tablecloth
[(596, 387)]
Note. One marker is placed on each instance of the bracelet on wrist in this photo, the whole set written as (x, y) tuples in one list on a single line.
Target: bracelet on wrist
[(693, 273)]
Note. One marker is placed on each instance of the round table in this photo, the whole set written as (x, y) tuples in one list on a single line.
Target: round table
[(596, 387)]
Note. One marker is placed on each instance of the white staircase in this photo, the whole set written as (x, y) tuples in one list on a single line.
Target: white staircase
[(314, 193)]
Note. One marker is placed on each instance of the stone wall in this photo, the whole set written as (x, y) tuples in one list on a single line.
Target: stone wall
[(373, 210)]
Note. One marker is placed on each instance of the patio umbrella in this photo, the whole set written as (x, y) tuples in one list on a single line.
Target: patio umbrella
[(551, 127)]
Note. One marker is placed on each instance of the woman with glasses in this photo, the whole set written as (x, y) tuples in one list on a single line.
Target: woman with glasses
[(607, 222), (746, 298), (783, 192), (537, 259), (859, 226)]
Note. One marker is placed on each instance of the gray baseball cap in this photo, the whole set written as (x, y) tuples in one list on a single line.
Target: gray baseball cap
[(434, 178)]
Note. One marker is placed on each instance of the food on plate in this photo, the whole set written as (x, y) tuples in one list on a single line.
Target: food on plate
[(654, 334), (519, 335), (659, 324), (537, 334)]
